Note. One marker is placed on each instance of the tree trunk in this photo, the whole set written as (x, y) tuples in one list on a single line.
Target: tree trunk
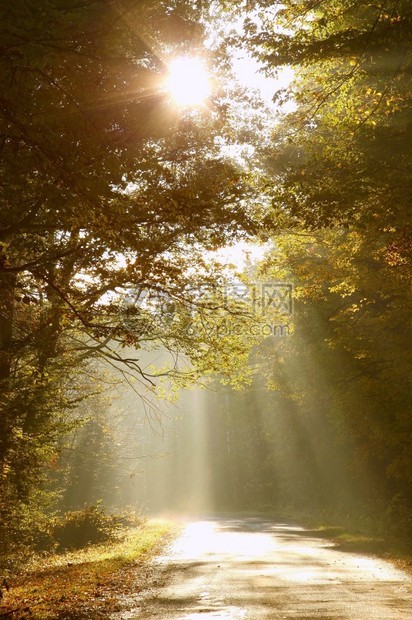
[(7, 290)]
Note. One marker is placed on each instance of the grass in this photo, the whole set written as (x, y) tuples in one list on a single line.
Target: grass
[(89, 583)]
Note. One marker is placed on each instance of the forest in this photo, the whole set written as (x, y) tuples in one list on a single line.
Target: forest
[(142, 367)]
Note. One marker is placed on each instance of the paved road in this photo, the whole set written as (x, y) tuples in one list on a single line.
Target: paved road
[(254, 569)]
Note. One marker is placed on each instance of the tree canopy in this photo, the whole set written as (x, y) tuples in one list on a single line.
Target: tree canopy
[(112, 202), (106, 192)]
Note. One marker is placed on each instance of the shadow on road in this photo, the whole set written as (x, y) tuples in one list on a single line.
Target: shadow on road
[(235, 568)]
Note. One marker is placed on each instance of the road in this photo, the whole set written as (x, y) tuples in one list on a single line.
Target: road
[(255, 569)]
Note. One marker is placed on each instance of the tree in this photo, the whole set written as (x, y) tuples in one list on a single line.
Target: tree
[(344, 154), (105, 190), (346, 367), (339, 173)]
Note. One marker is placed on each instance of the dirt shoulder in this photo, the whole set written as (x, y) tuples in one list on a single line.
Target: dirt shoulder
[(92, 583)]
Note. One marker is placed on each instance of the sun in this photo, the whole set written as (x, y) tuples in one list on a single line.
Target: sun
[(188, 81)]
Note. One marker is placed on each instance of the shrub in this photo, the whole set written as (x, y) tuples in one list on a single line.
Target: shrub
[(25, 526), (75, 530)]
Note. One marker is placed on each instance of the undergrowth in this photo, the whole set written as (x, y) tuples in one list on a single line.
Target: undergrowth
[(85, 583)]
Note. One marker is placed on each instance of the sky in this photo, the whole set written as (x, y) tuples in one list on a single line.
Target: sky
[(241, 252), (188, 86), (249, 74)]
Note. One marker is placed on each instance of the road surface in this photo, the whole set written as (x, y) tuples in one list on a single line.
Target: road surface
[(255, 569)]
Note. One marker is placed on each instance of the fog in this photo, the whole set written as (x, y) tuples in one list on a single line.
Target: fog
[(214, 449)]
